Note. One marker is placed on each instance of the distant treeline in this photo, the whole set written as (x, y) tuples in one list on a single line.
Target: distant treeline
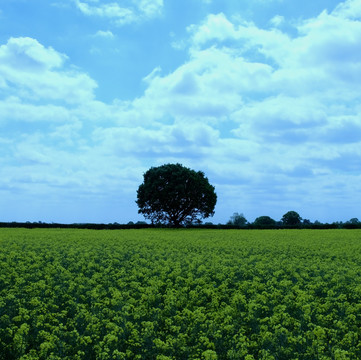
[(207, 225), (95, 226)]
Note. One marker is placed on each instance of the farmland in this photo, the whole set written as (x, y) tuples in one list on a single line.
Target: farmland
[(180, 294)]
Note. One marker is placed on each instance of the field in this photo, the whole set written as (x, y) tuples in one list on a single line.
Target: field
[(180, 294)]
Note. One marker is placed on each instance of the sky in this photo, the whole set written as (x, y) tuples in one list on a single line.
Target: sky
[(263, 96)]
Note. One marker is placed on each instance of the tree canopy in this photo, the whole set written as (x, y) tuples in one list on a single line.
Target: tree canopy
[(175, 194), (237, 220), (291, 218), (264, 222)]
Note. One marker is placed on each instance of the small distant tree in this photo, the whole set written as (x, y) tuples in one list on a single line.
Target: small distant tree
[(291, 218), (237, 220), (338, 224), (264, 222), (352, 223), (175, 194)]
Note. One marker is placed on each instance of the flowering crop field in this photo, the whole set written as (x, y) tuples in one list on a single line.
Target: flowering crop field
[(180, 294)]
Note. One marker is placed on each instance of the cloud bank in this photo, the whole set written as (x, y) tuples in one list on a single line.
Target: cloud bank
[(271, 117)]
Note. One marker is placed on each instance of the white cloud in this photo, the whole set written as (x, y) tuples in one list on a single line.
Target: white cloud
[(30, 70), (277, 20), (328, 40), (287, 100), (244, 36), (112, 10), (150, 8), (267, 115), (215, 27), (137, 10), (14, 109), (28, 54), (104, 34), (349, 9), (209, 86), (323, 45), (282, 114)]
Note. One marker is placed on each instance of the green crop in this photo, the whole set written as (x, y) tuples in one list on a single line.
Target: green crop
[(180, 294)]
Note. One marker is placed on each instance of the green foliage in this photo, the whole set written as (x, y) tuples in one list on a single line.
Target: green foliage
[(237, 220), (174, 194), (291, 218), (354, 221), (264, 222), (180, 294)]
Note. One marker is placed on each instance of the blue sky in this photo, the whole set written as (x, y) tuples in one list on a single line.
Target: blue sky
[(261, 95)]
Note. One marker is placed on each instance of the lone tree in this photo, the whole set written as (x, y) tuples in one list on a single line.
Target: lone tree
[(174, 194), (291, 218)]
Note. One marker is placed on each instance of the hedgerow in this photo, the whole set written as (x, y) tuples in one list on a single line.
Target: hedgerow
[(180, 294)]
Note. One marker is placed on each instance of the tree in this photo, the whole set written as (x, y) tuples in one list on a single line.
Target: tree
[(306, 222), (354, 221), (264, 222), (291, 218), (175, 194), (237, 220)]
